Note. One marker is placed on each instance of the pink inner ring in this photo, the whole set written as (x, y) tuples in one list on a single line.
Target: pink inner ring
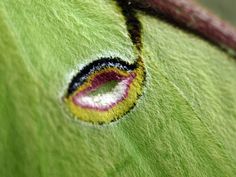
[(100, 80)]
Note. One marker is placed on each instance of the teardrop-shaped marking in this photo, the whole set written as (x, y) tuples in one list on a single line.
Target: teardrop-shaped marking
[(123, 82)]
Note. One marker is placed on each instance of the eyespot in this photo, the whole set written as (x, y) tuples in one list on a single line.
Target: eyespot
[(105, 90)]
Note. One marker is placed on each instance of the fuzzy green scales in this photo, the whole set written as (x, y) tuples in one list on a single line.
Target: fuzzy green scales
[(184, 125)]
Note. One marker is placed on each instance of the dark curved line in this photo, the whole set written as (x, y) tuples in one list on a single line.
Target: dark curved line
[(133, 24), (96, 65)]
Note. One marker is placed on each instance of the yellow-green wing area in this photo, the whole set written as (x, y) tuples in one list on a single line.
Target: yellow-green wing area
[(183, 125)]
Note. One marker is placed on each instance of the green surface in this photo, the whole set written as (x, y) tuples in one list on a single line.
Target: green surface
[(183, 125)]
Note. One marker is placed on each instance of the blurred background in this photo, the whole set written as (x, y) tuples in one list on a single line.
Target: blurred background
[(226, 9)]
